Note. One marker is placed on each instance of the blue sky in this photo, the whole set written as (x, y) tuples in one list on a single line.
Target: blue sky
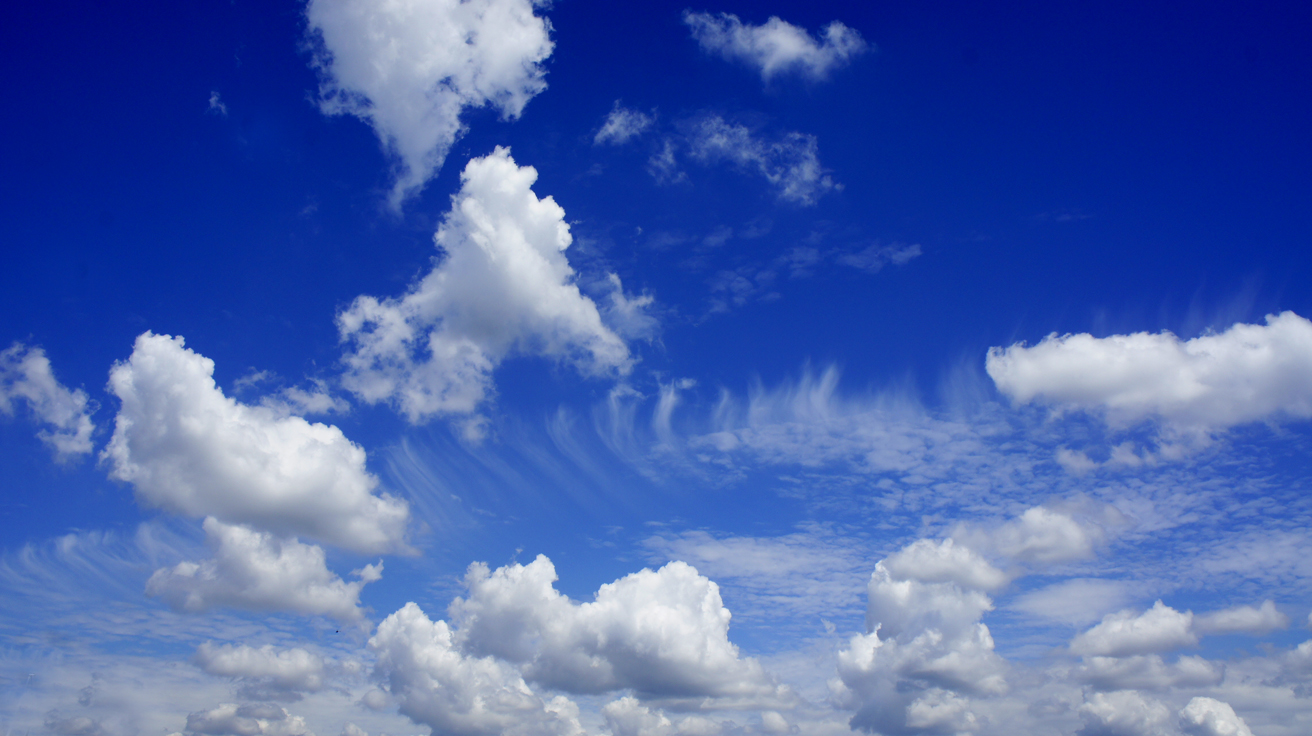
[(509, 368)]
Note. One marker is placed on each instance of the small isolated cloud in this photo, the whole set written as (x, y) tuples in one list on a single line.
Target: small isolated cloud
[(292, 669), (191, 450), (1242, 620), (216, 106), (873, 258), (1159, 629), (25, 375), (257, 571), (410, 69), (622, 124), (252, 719), (1077, 601), (1040, 536), (776, 47), (1247, 373), (502, 286), (790, 163)]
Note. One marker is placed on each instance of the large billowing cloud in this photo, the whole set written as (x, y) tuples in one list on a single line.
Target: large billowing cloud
[(662, 633), (1210, 717), (454, 693), (191, 450), (503, 285), (411, 67), (775, 47), (258, 571), (1244, 374), (925, 652), (25, 375)]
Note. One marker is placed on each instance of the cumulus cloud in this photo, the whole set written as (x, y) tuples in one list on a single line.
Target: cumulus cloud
[(662, 633), (1242, 620), (191, 450), (503, 286), (1159, 629), (1124, 713), (622, 125), (791, 163), (1210, 717), (257, 571), (292, 669), (925, 652), (1147, 672), (775, 47), (252, 719), (25, 375), (1039, 536), (1244, 374), (411, 68), (453, 693), (629, 717)]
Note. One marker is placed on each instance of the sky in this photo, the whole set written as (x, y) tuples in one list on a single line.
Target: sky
[(574, 368)]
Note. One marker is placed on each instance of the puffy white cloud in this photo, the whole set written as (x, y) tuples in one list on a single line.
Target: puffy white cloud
[(25, 375), (410, 68), (1245, 374), (503, 285), (258, 571), (942, 562), (775, 47), (662, 633), (1242, 620), (1076, 601), (254, 719), (1211, 717), (285, 669), (790, 164), (1040, 536), (1124, 713), (191, 450), (1147, 672), (452, 693), (629, 717), (1159, 629), (622, 124), (925, 645)]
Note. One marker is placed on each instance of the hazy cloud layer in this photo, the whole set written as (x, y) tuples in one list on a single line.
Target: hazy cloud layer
[(411, 67), (776, 46)]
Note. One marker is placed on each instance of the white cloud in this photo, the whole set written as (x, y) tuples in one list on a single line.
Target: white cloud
[(775, 47), (790, 164), (1242, 620), (629, 717), (191, 450), (255, 719), (662, 633), (1245, 374), (925, 647), (503, 286), (410, 68), (25, 374), (873, 258), (1124, 713), (1076, 601), (1147, 672), (1159, 629), (1040, 536), (452, 693), (944, 562), (622, 124), (260, 572), (1209, 717), (286, 669)]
